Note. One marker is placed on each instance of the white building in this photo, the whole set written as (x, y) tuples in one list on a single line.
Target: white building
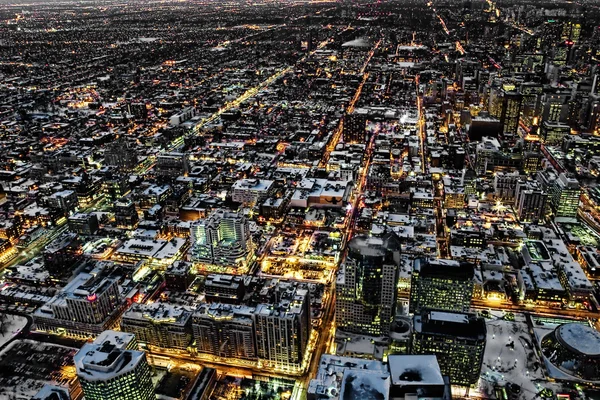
[(251, 191), (321, 193)]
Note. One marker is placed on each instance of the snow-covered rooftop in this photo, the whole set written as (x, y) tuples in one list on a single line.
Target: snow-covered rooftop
[(415, 370)]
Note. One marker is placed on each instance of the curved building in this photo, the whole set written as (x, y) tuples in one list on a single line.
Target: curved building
[(575, 350)]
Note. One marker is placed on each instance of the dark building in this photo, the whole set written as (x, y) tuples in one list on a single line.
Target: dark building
[(457, 339), (178, 276), (441, 284), (355, 126), (510, 116), (83, 224), (366, 285), (62, 254), (120, 154), (126, 215), (228, 289)]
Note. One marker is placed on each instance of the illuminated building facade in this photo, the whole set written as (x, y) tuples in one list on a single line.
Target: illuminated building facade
[(509, 118), (108, 371), (355, 126), (221, 239), (565, 195), (88, 305), (530, 202), (457, 339), (441, 284), (159, 324), (225, 331), (366, 285), (283, 330)]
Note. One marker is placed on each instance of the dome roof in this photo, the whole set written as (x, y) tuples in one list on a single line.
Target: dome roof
[(580, 339), (574, 349)]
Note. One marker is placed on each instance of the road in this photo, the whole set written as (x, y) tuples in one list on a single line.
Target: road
[(539, 310)]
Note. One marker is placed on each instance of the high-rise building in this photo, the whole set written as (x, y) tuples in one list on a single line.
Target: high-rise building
[(441, 284), (530, 201), (172, 164), (86, 306), (510, 116), (222, 239), (107, 370), (225, 331), (159, 324), (553, 133), (355, 126), (366, 285), (564, 196), (457, 339), (283, 328)]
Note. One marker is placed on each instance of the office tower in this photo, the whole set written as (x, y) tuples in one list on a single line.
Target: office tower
[(115, 186), (553, 133), (564, 196), (109, 371), (120, 154), (530, 201), (126, 216), (510, 116), (366, 285), (355, 126), (225, 331), (283, 328), (86, 306), (221, 239), (457, 339), (441, 284), (159, 324), (555, 107)]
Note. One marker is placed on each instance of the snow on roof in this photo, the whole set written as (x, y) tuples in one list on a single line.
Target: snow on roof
[(415, 370), (449, 317), (581, 338), (365, 385)]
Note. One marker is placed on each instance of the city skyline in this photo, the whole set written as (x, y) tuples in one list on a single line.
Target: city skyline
[(303, 199)]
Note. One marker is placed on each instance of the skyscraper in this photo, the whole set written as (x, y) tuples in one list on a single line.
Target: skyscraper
[(283, 329), (355, 126), (564, 196), (107, 370), (222, 239), (366, 285), (457, 339), (225, 331), (530, 201), (441, 284), (510, 116)]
